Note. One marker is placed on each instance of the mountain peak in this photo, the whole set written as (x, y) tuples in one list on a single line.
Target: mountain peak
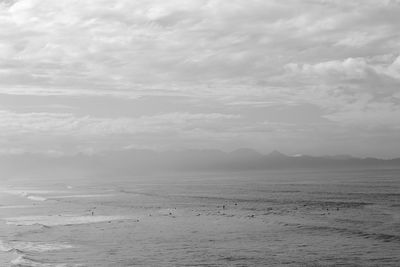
[(340, 157), (277, 154), (245, 152)]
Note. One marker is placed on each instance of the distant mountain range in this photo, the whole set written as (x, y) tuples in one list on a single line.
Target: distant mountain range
[(137, 161)]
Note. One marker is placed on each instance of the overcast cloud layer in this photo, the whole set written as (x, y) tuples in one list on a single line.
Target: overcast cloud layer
[(309, 76)]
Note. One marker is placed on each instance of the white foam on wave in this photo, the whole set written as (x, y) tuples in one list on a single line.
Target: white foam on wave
[(37, 195), (8, 256), (36, 198), (34, 195), (83, 196), (15, 207), (20, 247), (4, 247), (25, 261), (25, 192), (39, 246), (32, 246), (61, 220)]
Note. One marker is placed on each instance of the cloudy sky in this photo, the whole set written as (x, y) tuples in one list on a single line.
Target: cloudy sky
[(310, 76)]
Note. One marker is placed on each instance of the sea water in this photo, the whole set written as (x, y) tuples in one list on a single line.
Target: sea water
[(274, 218)]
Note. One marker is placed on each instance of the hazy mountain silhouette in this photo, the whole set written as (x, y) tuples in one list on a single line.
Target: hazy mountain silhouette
[(277, 155), (138, 161)]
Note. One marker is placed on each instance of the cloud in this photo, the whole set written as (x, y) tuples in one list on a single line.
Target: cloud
[(103, 45), (357, 90), (12, 123), (68, 133), (349, 68), (228, 57)]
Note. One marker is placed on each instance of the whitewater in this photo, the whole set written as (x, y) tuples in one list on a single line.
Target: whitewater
[(272, 218)]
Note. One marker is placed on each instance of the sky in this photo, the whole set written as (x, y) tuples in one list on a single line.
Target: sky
[(303, 77)]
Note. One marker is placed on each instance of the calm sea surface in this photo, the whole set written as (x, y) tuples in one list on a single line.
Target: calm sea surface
[(276, 218)]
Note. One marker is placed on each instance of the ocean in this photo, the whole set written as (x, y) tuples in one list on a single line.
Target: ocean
[(271, 218)]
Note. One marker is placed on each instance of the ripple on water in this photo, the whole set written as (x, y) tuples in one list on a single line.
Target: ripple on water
[(53, 220)]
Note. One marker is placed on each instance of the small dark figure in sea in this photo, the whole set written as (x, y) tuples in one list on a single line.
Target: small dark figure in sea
[(92, 213), (223, 207)]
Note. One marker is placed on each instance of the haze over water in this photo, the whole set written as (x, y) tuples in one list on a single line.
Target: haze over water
[(139, 133), (276, 218)]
